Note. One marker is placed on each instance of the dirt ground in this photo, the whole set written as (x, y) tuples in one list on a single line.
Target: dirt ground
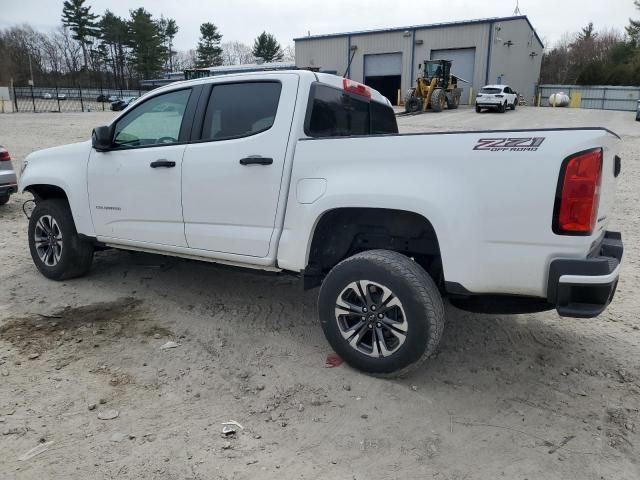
[(515, 397)]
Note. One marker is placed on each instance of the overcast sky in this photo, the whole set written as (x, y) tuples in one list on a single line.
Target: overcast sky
[(243, 20)]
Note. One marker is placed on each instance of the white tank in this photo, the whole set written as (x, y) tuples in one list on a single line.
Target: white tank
[(559, 99)]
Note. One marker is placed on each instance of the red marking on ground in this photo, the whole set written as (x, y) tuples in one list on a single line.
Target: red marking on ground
[(332, 361)]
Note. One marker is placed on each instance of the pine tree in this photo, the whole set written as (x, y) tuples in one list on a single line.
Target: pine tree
[(81, 22), (114, 32), (633, 30), (267, 48), (145, 42), (587, 33), (168, 30), (209, 51)]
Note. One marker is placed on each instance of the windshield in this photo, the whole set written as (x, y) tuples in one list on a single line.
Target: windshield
[(491, 90), (434, 70)]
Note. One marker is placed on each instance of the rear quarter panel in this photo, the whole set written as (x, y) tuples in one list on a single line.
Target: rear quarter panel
[(491, 206)]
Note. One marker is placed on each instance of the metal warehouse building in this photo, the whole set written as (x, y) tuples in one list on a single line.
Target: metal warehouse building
[(495, 50)]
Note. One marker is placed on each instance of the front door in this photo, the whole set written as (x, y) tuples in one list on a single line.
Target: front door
[(231, 178), (135, 188)]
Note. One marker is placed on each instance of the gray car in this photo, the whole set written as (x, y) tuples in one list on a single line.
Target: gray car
[(8, 179)]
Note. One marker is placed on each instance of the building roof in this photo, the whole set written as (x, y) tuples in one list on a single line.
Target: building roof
[(423, 27)]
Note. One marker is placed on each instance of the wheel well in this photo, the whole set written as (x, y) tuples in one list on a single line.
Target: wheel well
[(343, 232), (45, 192)]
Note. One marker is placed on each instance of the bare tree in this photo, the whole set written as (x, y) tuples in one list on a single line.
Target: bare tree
[(236, 53)]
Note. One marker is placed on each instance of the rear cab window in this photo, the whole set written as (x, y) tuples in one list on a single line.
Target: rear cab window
[(332, 112)]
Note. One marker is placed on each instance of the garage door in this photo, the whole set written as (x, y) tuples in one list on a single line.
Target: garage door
[(384, 72), (464, 60)]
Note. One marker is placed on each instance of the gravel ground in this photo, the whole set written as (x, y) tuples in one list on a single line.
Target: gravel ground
[(514, 397)]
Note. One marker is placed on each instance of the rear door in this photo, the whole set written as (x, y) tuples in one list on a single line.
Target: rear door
[(231, 177)]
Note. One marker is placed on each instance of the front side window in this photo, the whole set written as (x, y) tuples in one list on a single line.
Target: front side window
[(238, 110), (154, 122)]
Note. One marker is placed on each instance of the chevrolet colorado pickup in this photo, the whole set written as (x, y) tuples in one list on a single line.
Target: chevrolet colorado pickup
[(306, 173)]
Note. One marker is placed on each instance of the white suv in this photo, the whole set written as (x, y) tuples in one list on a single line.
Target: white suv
[(497, 97)]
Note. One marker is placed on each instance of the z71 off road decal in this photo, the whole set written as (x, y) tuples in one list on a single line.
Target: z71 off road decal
[(525, 144)]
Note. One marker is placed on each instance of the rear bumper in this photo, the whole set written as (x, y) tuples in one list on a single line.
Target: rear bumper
[(584, 288), (8, 189), (488, 105), (8, 182)]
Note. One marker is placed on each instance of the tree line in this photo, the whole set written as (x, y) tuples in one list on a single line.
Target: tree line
[(590, 57), (114, 51)]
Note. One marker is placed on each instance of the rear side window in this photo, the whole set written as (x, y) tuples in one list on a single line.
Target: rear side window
[(334, 113), (240, 109), (383, 119)]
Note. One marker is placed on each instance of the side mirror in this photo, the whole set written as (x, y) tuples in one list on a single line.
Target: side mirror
[(102, 139)]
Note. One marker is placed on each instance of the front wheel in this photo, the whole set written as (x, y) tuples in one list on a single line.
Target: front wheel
[(56, 248), (381, 312), (4, 199)]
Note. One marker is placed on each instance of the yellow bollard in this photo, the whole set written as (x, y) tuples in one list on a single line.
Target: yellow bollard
[(470, 95)]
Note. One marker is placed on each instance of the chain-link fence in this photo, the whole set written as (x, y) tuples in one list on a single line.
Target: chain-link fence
[(67, 99)]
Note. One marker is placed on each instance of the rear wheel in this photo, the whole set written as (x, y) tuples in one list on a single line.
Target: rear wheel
[(381, 312), (503, 107), (56, 249), (4, 199), (412, 105), (438, 100), (478, 109), (453, 102)]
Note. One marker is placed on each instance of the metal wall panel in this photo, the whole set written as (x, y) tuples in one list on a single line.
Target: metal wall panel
[(327, 54), (516, 57), (602, 97)]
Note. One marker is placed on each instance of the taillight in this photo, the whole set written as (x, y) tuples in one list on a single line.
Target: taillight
[(4, 155), (356, 88), (578, 194)]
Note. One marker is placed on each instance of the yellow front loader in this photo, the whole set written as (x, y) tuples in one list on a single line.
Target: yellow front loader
[(435, 88)]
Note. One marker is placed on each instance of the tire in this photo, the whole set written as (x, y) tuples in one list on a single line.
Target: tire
[(478, 109), (416, 307), (438, 100), (63, 254), (412, 105), (503, 107), (453, 102), (4, 199), (515, 103)]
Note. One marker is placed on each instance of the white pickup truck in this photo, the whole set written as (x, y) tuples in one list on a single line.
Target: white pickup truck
[(306, 173)]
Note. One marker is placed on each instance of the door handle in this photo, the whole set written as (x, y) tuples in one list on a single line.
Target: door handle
[(256, 160), (163, 163)]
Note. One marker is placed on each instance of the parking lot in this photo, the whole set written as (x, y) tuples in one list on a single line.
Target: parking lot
[(86, 391)]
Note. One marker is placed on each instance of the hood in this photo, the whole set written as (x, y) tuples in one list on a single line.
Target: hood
[(50, 162), (70, 152)]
